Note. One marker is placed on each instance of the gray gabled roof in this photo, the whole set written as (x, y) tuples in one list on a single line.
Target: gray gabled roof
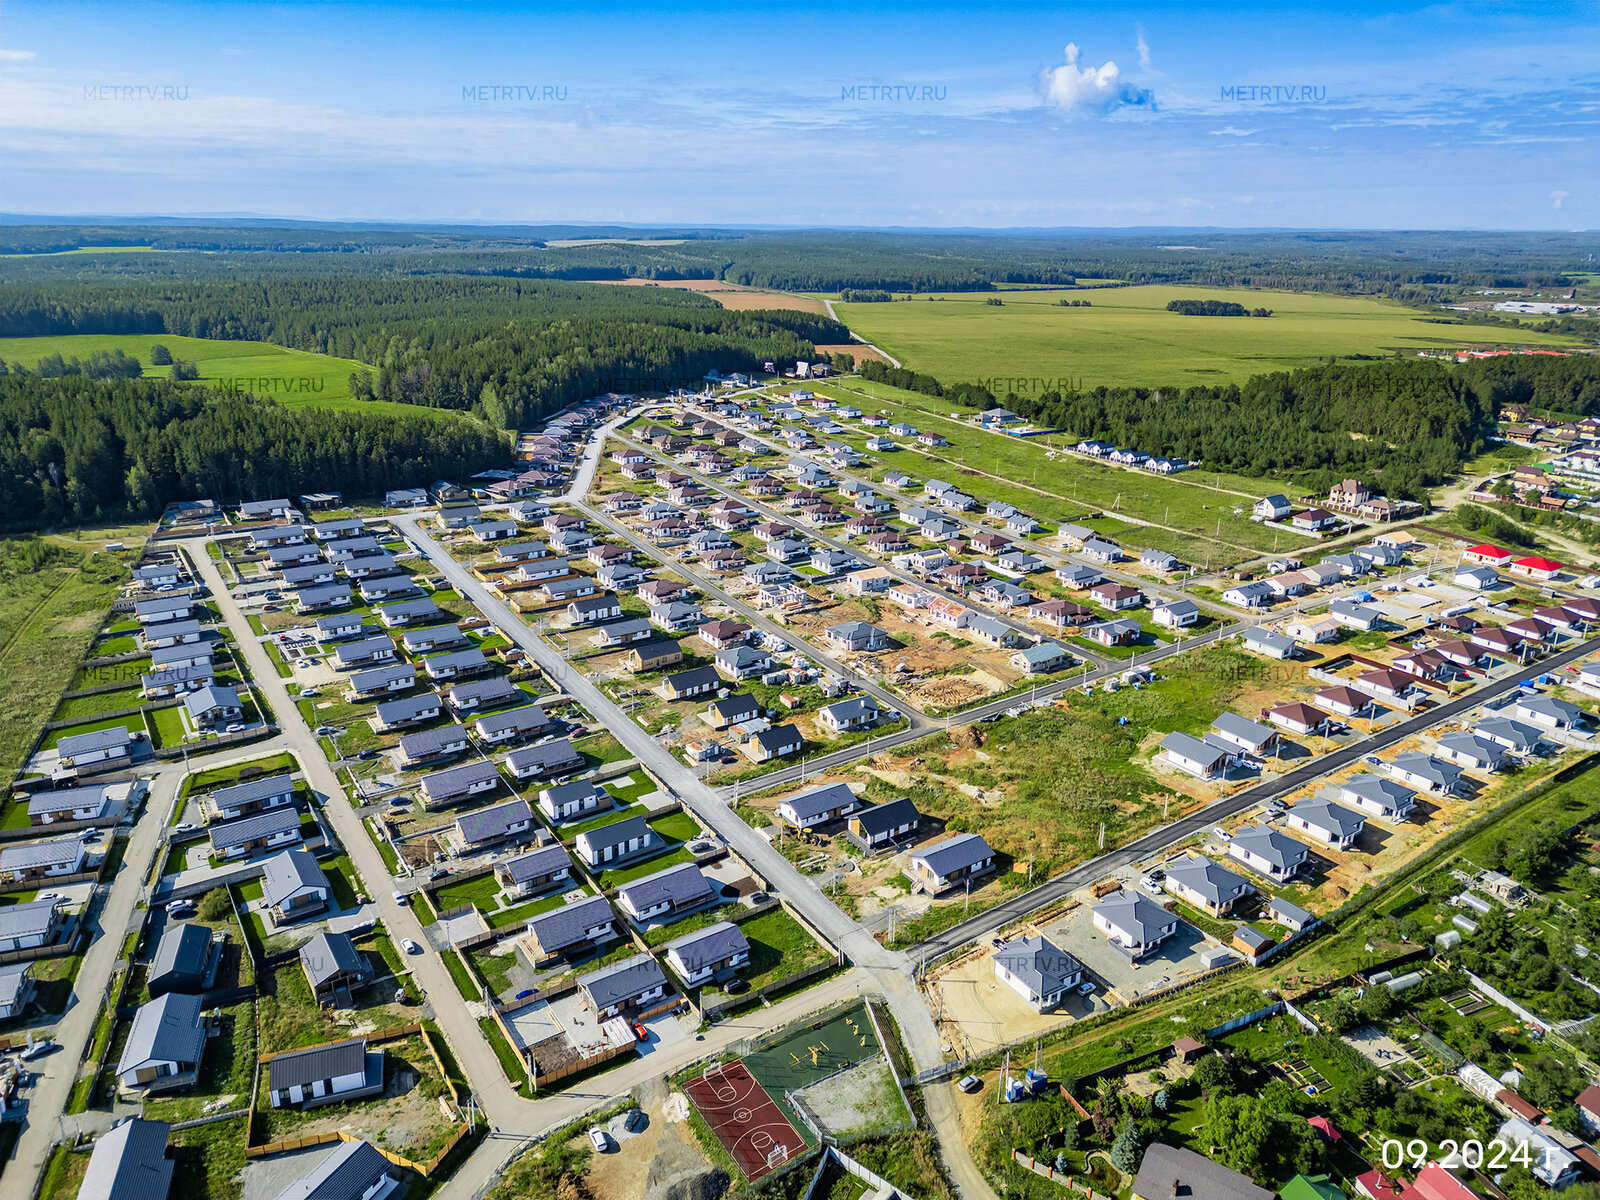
[(698, 677), (547, 754), (493, 822), (1293, 912), (457, 660), (167, 1029), (1379, 790), (365, 648), (952, 854), (1217, 884), (485, 689), (301, 1067), (617, 833), (1279, 849), (253, 789), (710, 945), (266, 824), (1271, 639), (855, 706), (208, 698), (883, 817), (329, 954), (455, 780), (67, 799), (1509, 733), (95, 739), (1467, 743), (623, 981), (182, 950), (286, 873), (1425, 766), (421, 607), (820, 800), (42, 853), (682, 884), (1164, 1169), (520, 720), (129, 1163), (736, 707), (1326, 815), (1133, 914), (377, 677), (538, 862), (1188, 746), (562, 926), (1041, 964), (349, 1169), (407, 708), (1242, 727), (427, 742)]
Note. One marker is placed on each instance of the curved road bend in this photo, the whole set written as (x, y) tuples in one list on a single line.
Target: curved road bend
[(1086, 873)]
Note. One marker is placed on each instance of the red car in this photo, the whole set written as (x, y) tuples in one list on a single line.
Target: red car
[(640, 1031)]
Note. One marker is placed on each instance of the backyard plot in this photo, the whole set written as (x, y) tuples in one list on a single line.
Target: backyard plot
[(855, 1101), (1467, 1003)]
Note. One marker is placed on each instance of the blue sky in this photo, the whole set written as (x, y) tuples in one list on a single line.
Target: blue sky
[(932, 114)]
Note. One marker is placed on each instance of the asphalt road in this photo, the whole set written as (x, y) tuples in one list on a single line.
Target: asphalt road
[(1157, 839)]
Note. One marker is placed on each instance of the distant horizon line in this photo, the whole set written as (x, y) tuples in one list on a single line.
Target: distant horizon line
[(259, 220)]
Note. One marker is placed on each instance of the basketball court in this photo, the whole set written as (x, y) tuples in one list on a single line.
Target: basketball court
[(744, 1119)]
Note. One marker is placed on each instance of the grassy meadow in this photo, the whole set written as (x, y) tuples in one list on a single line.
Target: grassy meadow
[(1128, 337), (292, 377)]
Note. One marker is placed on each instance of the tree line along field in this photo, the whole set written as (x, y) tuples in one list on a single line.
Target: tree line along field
[(292, 377), (1126, 336), (1192, 515)]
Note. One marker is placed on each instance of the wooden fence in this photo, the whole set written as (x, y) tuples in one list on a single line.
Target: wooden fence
[(1050, 1173)]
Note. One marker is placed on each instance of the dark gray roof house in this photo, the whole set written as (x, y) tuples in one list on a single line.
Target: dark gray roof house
[(678, 886), (515, 722), (264, 789), (570, 924), (349, 1170), (543, 759), (494, 823), (961, 852), (167, 1029), (434, 743), (622, 983), (183, 960), (881, 819), (535, 863), (731, 710), (407, 709), (470, 778), (708, 946), (287, 875), (1041, 966), (129, 1163), (826, 803), (331, 957), (270, 828), (1216, 886), (1166, 1172), (299, 1068)]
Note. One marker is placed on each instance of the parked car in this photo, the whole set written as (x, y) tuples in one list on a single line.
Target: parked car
[(309, 693), (735, 987), (234, 728), (185, 827), (326, 731), (970, 1083), (634, 1121), (1086, 989), (599, 1139), (410, 946), (1222, 833), (439, 873), (401, 898), (641, 1031), (1150, 885), (369, 754), (50, 897)]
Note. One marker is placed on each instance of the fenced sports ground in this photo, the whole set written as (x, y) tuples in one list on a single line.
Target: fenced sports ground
[(745, 1119)]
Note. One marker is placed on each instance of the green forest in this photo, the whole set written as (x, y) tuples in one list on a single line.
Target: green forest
[(77, 449)]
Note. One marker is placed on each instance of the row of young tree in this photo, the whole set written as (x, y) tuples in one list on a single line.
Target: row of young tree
[(76, 449)]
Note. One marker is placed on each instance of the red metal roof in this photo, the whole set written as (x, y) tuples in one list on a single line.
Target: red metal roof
[(1535, 563)]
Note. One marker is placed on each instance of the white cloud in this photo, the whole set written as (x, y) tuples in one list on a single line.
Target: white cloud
[(1144, 52), (1231, 131), (1556, 197), (1091, 89), (16, 55)]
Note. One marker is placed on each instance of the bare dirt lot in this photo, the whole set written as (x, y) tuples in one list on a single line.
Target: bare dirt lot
[(730, 295)]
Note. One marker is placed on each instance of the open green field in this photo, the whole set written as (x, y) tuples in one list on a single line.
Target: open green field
[(292, 377), (1030, 342), (1201, 516), (48, 617)]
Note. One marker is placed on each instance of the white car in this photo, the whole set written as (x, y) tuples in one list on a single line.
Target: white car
[(1086, 989), (1222, 833), (401, 898), (234, 728), (309, 693), (599, 1140), (410, 946), (1150, 885)]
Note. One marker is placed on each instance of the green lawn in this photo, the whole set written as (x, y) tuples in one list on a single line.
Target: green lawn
[(677, 827), (482, 891), (779, 947), (622, 875), (134, 723), (83, 707), (169, 725), (570, 832), (219, 777), (510, 1061), (1127, 336)]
